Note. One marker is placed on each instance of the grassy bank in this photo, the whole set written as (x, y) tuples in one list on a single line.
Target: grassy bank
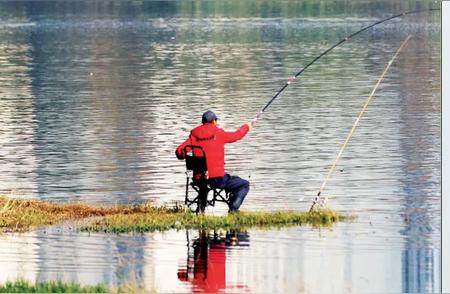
[(149, 222), (21, 215), (18, 215)]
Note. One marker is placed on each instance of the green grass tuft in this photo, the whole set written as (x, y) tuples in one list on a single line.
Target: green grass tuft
[(51, 287), (149, 222)]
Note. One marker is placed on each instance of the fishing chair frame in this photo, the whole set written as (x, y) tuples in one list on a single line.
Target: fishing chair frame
[(197, 179)]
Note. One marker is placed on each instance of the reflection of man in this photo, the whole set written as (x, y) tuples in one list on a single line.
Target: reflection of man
[(209, 265), (209, 272), (213, 139)]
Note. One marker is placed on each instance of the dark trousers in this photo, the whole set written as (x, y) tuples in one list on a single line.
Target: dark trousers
[(235, 185)]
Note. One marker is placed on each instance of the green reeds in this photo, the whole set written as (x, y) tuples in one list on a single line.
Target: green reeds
[(21, 215), (51, 287), (22, 286)]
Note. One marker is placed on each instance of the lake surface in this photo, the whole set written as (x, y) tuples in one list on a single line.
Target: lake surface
[(95, 97)]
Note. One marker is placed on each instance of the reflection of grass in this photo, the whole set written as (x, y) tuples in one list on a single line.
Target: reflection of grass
[(51, 287), (21, 215)]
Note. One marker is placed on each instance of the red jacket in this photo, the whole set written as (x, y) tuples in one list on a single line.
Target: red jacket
[(212, 139)]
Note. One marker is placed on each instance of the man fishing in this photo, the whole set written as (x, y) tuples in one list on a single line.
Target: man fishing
[(213, 139)]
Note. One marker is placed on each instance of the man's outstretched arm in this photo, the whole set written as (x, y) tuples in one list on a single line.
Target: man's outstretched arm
[(231, 137)]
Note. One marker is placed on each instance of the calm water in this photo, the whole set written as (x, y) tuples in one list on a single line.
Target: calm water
[(95, 96)]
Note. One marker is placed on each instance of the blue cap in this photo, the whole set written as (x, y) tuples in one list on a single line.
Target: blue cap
[(208, 116)]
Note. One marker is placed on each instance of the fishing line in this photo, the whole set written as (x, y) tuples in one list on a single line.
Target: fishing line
[(363, 110), (293, 78)]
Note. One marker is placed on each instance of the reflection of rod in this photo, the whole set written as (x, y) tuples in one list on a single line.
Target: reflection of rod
[(333, 166), (258, 115)]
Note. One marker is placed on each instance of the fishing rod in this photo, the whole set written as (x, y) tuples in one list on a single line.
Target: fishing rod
[(259, 114), (317, 199)]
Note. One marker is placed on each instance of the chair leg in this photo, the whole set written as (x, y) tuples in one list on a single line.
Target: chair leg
[(202, 197), (187, 192), (218, 196), (212, 202), (189, 201)]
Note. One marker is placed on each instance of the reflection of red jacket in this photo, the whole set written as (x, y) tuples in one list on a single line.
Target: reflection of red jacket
[(209, 269), (212, 139), (215, 279)]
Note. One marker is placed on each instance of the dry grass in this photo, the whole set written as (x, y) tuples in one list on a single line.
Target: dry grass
[(17, 215)]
